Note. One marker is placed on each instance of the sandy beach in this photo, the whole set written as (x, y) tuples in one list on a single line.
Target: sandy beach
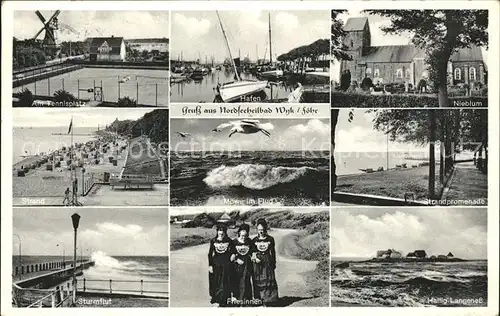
[(43, 179)]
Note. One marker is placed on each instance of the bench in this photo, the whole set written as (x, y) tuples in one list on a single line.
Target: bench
[(135, 182)]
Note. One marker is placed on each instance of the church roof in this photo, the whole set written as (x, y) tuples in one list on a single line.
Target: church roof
[(473, 53), (392, 54), (113, 42), (406, 53), (355, 24)]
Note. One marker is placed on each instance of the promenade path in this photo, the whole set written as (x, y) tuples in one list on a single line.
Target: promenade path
[(468, 183)]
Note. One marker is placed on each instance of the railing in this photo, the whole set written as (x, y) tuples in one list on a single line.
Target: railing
[(88, 184), (29, 77), (136, 290), (132, 181), (37, 267)]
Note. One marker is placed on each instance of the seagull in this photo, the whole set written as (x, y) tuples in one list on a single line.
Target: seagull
[(123, 80), (244, 127), (183, 135)]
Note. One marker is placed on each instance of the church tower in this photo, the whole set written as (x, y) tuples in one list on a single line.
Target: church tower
[(357, 40)]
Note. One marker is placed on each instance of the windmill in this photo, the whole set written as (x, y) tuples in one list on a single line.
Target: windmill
[(49, 26)]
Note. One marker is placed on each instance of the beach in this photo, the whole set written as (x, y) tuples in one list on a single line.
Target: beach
[(42, 179)]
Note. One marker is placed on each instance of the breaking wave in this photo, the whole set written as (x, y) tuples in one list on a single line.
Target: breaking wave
[(255, 176), (105, 262), (409, 285)]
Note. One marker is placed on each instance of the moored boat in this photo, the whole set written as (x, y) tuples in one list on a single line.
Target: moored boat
[(276, 73), (238, 90), (197, 74)]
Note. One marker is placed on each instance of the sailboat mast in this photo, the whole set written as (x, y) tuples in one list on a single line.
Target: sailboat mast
[(227, 45), (270, 43)]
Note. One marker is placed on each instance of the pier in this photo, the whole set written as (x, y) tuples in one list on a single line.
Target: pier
[(42, 284), (46, 275)]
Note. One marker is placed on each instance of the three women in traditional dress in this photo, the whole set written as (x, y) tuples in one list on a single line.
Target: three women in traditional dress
[(243, 268)]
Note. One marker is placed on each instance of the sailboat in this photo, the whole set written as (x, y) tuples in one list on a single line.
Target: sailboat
[(212, 67), (241, 88), (273, 72)]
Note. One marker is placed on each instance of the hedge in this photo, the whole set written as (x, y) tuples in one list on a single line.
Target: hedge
[(360, 100)]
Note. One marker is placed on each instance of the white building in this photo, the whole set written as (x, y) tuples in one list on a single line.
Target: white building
[(107, 48)]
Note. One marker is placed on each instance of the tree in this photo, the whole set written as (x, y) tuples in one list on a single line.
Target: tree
[(440, 33), (126, 102), (339, 50), (63, 96), (333, 121), (25, 97), (334, 114), (420, 126)]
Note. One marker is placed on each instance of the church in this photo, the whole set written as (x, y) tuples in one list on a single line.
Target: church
[(403, 63)]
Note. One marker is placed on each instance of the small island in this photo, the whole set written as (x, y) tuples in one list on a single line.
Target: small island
[(391, 255)]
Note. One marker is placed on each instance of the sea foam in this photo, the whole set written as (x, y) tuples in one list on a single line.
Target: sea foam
[(253, 176)]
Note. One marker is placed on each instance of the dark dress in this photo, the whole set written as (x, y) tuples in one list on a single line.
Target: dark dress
[(264, 279), (219, 257), (243, 273)]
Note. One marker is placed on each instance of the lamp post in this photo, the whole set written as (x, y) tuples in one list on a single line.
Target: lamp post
[(75, 218), (20, 258), (83, 181)]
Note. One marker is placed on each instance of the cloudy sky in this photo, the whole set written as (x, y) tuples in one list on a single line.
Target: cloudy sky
[(82, 117), (130, 231), (128, 24), (361, 232), (286, 134), (360, 136), (196, 33), (378, 37), (197, 210)]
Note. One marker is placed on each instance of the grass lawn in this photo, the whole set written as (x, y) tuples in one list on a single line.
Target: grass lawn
[(392, 183)]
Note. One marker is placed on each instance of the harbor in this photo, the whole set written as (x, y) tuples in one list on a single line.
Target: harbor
[(279, 73)]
